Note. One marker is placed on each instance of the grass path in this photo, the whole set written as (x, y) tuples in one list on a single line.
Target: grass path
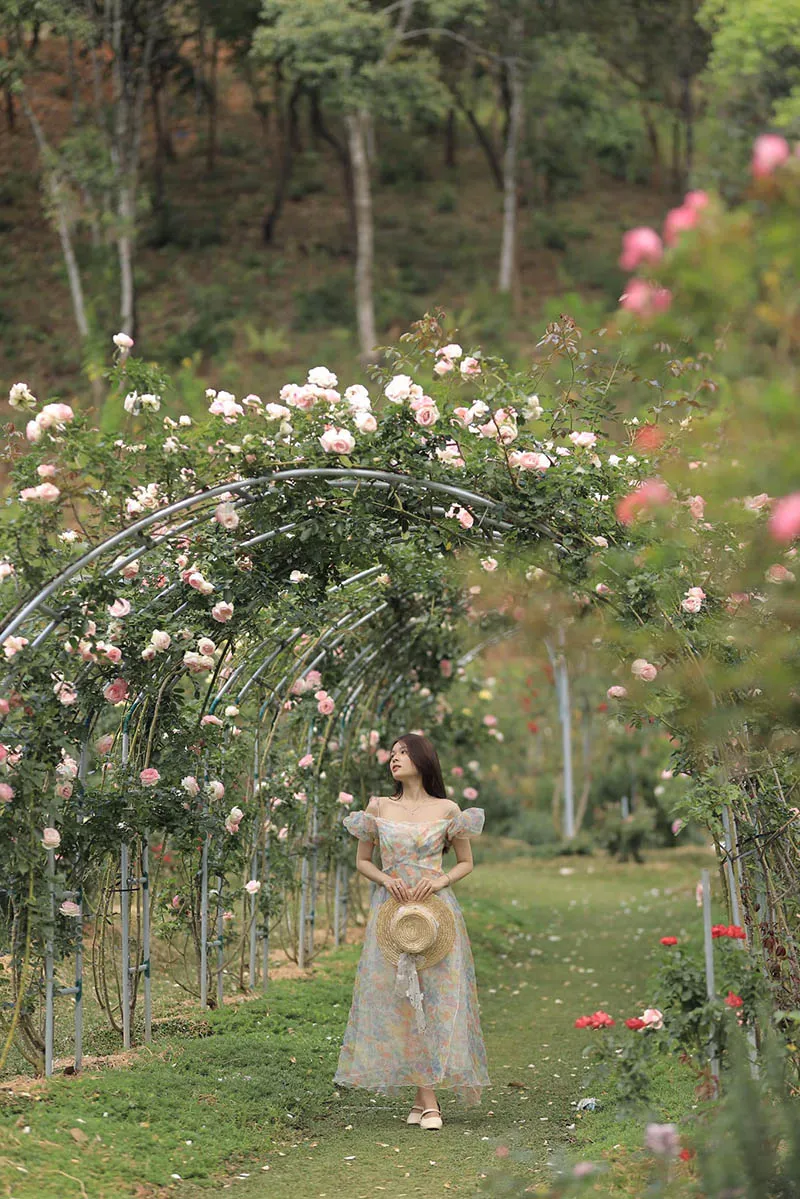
[(255, 1097)]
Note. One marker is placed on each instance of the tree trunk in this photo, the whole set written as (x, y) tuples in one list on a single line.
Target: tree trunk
[(125, 253), (450, 130), (159, 178), (285, 168), (342, 154), (62, 223), (11, 112), (357, 123), (655, 146), (213, 110), (484, 141), (508, 251)]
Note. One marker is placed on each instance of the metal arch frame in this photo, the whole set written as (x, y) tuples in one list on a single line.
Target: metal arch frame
[(350, 477), (139, 528)]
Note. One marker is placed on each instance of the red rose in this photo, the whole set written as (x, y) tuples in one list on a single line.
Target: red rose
[(669, 940), (686, 1154), (733, 1000), (635, 1022)]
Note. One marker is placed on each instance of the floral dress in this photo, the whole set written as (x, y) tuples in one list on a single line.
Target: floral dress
[(384, 1049)]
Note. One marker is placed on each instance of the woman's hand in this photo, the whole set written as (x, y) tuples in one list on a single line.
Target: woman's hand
[(426, 887), (398, 888)]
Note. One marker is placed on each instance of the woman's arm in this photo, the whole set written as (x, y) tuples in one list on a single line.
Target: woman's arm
[(366, 866)]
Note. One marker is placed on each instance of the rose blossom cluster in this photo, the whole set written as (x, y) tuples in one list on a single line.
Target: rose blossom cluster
[(643, 246)]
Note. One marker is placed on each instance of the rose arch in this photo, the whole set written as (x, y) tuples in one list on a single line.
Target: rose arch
[(217, 626)]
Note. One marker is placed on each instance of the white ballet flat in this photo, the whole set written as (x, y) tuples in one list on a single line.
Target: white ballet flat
[(414, 1115), (431, 1118)]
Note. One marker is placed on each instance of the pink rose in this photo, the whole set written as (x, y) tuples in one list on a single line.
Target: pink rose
[(769, 151), (426, 415), (784, 523), (226, 515), (695, 199), (120, 607), (677, 220), (490, 720), (640, 245), (382, 756), (617, 692), (69, 908), (325, 706), (51, 838), (470, 367), (306, 760), (645, 299), (697, 506), (458, 771), (345, 797), (649, 494), (149, 777), (45, 491), (462, 515), (442, 366), (6, 793), (446, 668), (529, 460), (469, 793), (644, 670), (779, 574), (584, 440), (366, 422), (337, 441), (116, 691), (692, 603)]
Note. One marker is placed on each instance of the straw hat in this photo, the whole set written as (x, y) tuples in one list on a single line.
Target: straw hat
[(425, 928)]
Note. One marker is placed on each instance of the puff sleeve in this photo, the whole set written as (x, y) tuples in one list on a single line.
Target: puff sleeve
[(468, 823), (362, 825)]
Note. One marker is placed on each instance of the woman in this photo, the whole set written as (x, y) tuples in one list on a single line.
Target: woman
[(384, 1048)]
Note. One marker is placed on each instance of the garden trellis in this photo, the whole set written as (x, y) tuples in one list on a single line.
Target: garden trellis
[(225, 572), (264, 671)]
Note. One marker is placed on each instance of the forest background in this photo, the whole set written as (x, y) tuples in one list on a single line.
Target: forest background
[(248, 188)]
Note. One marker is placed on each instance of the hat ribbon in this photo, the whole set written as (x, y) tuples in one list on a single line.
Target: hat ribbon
[(406, 982)]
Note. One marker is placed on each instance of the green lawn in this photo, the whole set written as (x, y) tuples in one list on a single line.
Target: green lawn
[(250, 1104)]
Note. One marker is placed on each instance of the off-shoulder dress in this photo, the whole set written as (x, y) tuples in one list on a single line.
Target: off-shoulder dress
[(384, 1048)]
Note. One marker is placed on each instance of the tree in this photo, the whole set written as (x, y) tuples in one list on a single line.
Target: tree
[(365, 65)]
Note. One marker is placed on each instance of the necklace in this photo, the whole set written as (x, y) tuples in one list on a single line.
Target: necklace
[(419, 804)]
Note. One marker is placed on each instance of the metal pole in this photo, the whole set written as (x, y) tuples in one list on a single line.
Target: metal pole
[(708, 944), (125, 879), (82, 767), (220, 950), (265, 872), (566, 737), (728, 844), (253, 919), (301, 936), (49, 1016), (145, 967), (125, 911), (204, 924)]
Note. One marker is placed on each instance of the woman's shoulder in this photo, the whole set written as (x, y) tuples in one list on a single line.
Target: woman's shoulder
[(375, 805)]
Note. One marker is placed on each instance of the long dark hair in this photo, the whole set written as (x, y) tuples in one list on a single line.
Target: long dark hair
[(422, 753)]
